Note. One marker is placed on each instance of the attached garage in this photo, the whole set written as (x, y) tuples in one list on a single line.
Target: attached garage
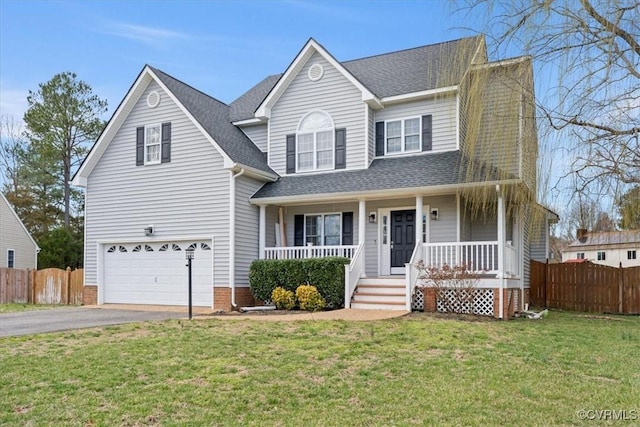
[(156, 273)]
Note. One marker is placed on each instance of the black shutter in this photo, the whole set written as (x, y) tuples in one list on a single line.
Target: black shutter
[(347, 228), (166, 143), (140, 146), (291, 154), (341, 149), (298, 233), (426, 133), (379, 138)]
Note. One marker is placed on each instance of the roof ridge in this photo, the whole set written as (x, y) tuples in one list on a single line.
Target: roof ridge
[(154, 69), (409, 49)]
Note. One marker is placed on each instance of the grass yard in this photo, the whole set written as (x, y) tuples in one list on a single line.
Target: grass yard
[(416, 370), (16, 307)]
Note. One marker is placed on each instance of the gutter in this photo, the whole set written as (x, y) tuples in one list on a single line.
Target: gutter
[(232, 235)]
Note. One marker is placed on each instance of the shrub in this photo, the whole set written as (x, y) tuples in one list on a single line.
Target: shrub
[(455, 286), (283, 298), (327, 274), (309, 298)]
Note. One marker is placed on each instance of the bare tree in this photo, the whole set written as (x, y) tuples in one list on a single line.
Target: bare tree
[(591, 50), (12, 145)]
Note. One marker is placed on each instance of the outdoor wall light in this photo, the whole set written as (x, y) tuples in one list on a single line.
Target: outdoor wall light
[(434, 214), (372, 218), (148, 231)]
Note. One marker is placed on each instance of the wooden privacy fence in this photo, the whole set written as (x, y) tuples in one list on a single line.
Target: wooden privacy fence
[(585, 287), (48, 286)]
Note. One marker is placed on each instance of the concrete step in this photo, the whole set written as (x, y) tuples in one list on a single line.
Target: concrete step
[(379, 297), (383, 281), (380, 289), (378, 306)]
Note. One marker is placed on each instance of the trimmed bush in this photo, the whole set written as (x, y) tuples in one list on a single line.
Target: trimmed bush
[(283, 299), (309, 298), (327, 274)]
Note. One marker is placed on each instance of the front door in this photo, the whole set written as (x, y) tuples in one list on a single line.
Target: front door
[(403, 236)]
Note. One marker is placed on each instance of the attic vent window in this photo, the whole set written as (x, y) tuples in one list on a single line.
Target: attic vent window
[(316, 72), (153, 99)]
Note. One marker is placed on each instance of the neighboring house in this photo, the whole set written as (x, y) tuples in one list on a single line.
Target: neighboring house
[(379, 159), (613, 248), (17, 247)]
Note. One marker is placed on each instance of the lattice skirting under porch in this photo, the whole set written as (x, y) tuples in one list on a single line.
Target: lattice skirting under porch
[(483, 304)]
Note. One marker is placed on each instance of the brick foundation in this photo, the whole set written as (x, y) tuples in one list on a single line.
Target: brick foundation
[(222, 298), (525, 298), (511, 302), (90, 295), (429, 295)]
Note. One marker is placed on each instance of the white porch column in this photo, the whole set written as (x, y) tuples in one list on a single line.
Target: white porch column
[(262, 231), (502, 234), (362, 227), (419, 214)]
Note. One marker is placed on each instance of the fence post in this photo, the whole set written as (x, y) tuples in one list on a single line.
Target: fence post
[(620, 288), (32, 286), (68, 277), (546, 284)]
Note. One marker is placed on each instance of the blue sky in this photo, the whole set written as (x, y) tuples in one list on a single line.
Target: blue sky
[(220, 47)]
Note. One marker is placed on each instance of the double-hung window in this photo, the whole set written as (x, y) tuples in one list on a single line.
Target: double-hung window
[(315, 142), (601, 256), (323, 229), (152, 144), (403, 136), (632, 254), (580, 255)]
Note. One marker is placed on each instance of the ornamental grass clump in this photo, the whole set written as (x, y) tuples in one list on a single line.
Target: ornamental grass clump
[(283, 299), (309, 298)]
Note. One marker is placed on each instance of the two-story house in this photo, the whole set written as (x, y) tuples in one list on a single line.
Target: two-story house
[(612, 248), (426, 153)]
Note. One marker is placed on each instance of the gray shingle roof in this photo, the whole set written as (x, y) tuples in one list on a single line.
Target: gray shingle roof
[(615, 238), (213, 116), (431, 169), (395, 73)]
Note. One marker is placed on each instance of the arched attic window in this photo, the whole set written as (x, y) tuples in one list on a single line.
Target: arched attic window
[(315, 142)]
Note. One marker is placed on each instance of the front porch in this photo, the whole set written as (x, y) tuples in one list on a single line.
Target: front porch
[(385, 238)]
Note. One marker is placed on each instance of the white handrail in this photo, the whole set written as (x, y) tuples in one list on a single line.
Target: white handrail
[(352, 273), (411, 275), (477, 256), (299, 252)]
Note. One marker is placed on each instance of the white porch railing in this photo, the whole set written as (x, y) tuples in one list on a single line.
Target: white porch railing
[(352, 273), (411, 275), (477, 256), (299, 252)]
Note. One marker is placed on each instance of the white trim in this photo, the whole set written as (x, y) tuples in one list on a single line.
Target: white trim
[(366, 147), (403, 150), (310, 48), (310, 72), (151, 104), (415, 96), (262, 230), (384, 250), (252, 172), (314, 133), (457, 121), (501, 62), (22, 225), (159, 144), (458, 219), (248, 122)]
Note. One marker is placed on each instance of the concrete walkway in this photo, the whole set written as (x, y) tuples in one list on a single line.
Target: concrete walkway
[(266, 316)]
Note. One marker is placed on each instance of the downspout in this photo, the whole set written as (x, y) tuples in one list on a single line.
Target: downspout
[(232, 236)]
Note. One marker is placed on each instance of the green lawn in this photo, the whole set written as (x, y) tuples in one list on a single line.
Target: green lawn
[(417, 370), (15, 307)]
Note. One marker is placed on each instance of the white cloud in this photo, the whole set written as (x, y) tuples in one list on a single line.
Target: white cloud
[(148, 35), (13, 101)]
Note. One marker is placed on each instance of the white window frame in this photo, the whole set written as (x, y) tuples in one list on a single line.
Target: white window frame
[(403, 136), (601, 255), (580, 255), (147, 145), (13, 252), (331, 130), (322, 235), (632, 254)]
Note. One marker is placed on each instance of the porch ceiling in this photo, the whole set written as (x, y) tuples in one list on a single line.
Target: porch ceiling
[(436, 171)]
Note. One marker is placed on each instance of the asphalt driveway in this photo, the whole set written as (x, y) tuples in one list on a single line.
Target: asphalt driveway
[(62, 319)]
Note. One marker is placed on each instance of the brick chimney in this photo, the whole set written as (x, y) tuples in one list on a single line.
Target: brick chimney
[(581, 234)]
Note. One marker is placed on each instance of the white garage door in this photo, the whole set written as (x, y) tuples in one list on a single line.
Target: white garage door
[(156, 273)]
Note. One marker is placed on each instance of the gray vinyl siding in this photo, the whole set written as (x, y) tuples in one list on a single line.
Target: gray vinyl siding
[(14, 236), (443, 110), (270, 232), (257, 134), (187, 197), (371, 135), (247, 228), (335, 95), (538, 241)]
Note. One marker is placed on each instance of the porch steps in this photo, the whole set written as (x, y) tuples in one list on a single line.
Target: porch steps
[(380, 293)]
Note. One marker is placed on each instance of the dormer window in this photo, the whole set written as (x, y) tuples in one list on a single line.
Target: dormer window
[(315, 139)]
